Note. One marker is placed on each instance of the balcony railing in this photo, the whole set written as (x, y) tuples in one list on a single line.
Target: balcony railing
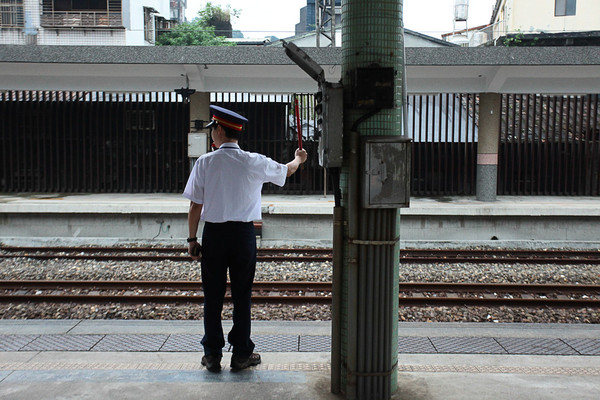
[(491, 32), (82, 19)]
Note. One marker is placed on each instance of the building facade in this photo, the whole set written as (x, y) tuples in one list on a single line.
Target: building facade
[(308, 15), (549, 17), (411, 39), (87, 22)]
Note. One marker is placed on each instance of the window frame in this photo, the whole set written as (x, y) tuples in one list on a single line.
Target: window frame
[(12, 14), (75, 6), (565, 8)]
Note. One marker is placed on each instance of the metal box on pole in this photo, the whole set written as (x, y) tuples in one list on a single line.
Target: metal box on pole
[(386, 167), (330, 123)]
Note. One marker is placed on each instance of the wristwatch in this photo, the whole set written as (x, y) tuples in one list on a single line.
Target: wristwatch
[(192, 239)]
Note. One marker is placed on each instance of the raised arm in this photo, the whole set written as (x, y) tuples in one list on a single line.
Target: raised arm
[(300, 157)]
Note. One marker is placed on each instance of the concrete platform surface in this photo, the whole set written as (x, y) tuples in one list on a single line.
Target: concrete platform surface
[(151, 203), (115, 219), (50, 374)]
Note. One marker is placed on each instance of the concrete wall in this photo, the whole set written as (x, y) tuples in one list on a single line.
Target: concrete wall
[(424, 231), (300, 220)]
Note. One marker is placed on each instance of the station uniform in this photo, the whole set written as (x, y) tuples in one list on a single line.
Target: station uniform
[(227, 183)]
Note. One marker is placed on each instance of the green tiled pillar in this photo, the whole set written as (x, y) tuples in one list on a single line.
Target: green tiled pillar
[(372, 36)]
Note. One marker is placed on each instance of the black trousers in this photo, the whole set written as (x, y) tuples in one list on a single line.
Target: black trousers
[(228, 246)]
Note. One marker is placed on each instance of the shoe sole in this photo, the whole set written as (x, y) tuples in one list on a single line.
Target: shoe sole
[(212, 368), (242, 367)]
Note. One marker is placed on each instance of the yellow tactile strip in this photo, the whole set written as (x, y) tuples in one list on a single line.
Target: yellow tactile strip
[(32, 366), (475, 369)]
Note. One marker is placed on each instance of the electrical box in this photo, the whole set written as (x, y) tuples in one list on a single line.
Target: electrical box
[(374, 87), (386, 168), (197, 144), (330, 124)]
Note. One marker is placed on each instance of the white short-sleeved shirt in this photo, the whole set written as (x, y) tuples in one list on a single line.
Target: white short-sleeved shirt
[(228, 183)]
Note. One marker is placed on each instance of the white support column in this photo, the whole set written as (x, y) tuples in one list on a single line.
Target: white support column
[(198, 139), (487, 147)]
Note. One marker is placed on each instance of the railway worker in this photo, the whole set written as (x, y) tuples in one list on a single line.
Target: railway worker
[(224, 189)]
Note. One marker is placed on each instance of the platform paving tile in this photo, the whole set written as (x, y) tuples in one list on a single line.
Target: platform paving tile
[(182, 343), (63, 343), (541, 346), (315, 343), (131, 343), (499, 369), (415, 345), (467, 345), (15, 342), (588, 347), (299, 343), (275, 343)]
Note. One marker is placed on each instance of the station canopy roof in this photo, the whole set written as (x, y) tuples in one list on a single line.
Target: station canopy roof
[(542, 70)]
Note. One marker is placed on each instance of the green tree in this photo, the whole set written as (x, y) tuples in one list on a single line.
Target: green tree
[(202, 30)]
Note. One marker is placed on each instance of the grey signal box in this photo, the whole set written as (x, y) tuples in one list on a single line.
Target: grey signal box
[(386, 168), (330, 122), (329, 108)]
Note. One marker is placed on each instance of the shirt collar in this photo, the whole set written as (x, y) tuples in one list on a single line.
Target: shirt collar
[(229, 146)]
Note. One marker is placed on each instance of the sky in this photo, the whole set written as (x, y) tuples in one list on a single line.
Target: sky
[(260, 18)]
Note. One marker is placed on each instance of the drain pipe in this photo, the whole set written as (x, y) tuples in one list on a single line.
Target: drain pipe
[(361, 285), (352, 297), (337, 279)]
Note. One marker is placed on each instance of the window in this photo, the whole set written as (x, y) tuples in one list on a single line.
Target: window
[(149, 24), (80, 5), (11, 13), (81, 13), (564, 7)]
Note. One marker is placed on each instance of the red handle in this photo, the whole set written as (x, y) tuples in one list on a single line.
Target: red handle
[(298, 126)]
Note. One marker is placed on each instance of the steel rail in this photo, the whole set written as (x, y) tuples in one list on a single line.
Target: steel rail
[(299, 285), (513, 256), (482, 294), (278, 289), (314, 254), (299, 258), (181, 258), (294, 250), (62, 249), (133, 284), (499, 260), (528, 252), (158, 299)]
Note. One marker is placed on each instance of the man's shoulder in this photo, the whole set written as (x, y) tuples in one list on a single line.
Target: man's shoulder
[(208, 155)]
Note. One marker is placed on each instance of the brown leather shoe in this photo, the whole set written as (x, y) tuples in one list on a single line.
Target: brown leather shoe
[(239, 363), (212, 363)]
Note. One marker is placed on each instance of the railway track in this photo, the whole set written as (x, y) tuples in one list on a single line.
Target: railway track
[(501, 256), (310, 255), (154, 292), (411, 293), (153, 254)]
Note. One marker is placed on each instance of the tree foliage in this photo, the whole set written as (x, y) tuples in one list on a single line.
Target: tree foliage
[(201, 30)]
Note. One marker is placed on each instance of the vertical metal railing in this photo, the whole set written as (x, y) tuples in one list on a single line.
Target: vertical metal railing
[(92, 142), (549, 145), (444, 129), (123, 142)]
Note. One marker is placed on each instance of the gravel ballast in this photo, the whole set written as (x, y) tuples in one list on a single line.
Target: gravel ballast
[(31, 269)]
